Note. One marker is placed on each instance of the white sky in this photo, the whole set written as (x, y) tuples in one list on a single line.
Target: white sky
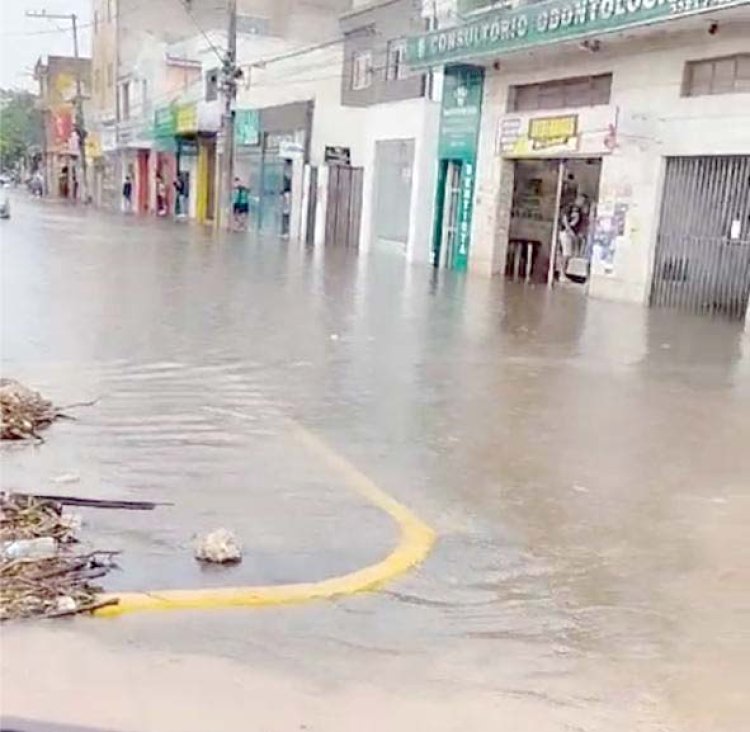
[(23, 40)]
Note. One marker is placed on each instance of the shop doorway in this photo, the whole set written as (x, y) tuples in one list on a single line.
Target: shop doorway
[(551, 223), (142, 181), (448, 215), (344, 206)]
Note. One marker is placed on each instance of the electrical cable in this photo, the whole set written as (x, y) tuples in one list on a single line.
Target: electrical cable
[(81, 26), (220, 55)]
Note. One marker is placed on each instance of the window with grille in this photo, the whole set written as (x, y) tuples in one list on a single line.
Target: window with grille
[(578, 91), (397, 68), (361, 70), (212, 85), (725, 75)]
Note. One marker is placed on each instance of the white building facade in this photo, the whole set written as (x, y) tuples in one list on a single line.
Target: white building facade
[(398, 128), (632, 115)]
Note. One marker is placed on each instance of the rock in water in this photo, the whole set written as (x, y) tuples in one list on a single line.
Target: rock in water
[(220, 546)]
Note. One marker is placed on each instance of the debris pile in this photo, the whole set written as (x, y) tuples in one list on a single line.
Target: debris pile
[(40, 574), (23, 412)]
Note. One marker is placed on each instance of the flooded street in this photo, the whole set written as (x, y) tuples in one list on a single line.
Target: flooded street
[(584, 465)]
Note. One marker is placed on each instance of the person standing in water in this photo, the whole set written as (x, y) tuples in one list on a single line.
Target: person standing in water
[(127, 195)]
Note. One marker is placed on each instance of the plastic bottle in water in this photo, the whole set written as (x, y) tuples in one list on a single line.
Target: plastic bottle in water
[(44, 546)]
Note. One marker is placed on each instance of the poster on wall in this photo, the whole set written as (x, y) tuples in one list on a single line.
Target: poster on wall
[(609, 231)]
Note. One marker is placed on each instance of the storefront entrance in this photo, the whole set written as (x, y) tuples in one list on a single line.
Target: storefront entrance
[(702, 261), (449, 187), (551, 222), (206, 192)]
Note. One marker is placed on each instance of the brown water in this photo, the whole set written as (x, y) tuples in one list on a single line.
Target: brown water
[(585, 465)]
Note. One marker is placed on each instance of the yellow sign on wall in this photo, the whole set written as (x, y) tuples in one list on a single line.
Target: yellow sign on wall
[(93, 146), (552, 131), (186, 118)]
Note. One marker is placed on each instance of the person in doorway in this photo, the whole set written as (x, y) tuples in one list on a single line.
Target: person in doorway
[(573, 226), (127, 195), (161, 196), (286, 199), (240, 205), (180, 196)]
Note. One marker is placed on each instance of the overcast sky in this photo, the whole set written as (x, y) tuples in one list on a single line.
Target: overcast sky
[(23, 40)]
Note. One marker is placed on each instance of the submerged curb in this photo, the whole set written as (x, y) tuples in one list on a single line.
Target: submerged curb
[(415, 541)]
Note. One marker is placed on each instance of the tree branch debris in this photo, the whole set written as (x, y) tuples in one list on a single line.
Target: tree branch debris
[(40, 574)]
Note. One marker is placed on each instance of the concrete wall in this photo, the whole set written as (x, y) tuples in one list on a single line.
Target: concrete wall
[(655, 122), (312, 76), (104, 61), (370, 29), (416, 119)]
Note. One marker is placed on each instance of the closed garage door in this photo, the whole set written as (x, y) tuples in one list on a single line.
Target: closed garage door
[(702, 260)]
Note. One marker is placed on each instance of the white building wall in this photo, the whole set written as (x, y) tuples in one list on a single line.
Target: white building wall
[(416, 119), (316, 76), (655, 122), (312, 76)]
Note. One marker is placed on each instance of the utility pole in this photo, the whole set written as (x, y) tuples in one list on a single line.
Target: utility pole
[(230, 73), (80, 125)]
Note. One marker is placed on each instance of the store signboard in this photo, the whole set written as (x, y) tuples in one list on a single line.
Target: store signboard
[(164, 121), (465, 211), (547, 132), (186, 118), (246, 127), (337, 155), (588, 131), (291, 150), (187, 147), (503, 31), (93, 145), (460, 113)]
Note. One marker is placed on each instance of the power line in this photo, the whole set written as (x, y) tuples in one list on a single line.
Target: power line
[(82, 26), (308, 49), (218, 53)]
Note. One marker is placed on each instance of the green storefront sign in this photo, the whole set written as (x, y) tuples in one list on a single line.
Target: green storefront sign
[(460, 115), (164, 121), (164, 129), (495, 33), (246, 127)]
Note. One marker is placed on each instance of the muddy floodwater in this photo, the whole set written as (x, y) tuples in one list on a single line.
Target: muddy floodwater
[(585, 465)]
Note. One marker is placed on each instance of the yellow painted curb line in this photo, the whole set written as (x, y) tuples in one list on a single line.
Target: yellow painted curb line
[(414, 545)]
